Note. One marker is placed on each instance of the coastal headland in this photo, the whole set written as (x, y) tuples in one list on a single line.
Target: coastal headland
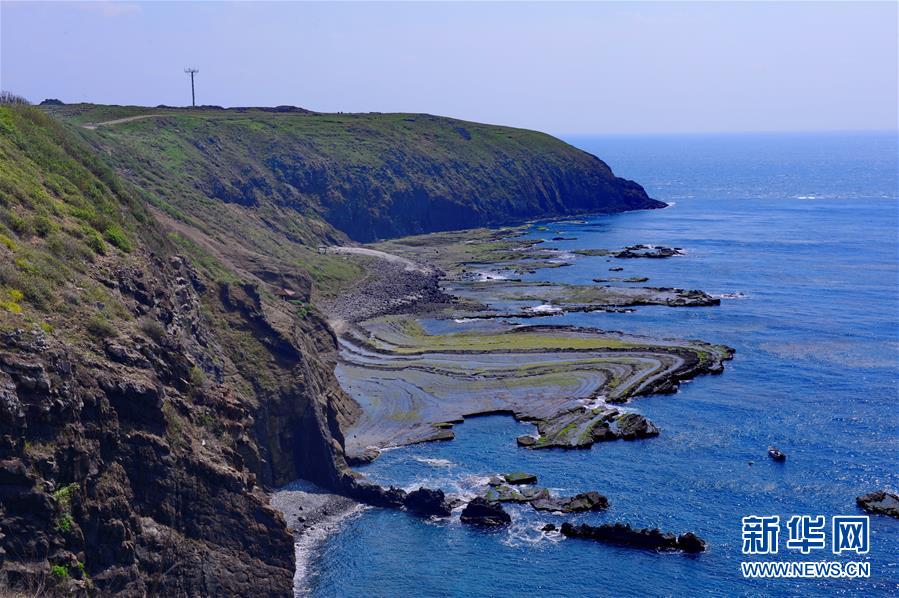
[(434, 333), (185, 313)]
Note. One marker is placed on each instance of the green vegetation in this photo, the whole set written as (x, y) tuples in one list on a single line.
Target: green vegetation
[(302, 309), (63, 498), (61, 210), (278, 183), (60, 572), (197, 378), (411, 338), (152, 329), (100, 326)]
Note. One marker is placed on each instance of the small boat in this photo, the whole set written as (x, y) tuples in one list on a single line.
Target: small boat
[(776, 454)]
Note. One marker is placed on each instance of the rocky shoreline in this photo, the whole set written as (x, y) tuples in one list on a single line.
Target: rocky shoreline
[(431, 278), (382, 341)]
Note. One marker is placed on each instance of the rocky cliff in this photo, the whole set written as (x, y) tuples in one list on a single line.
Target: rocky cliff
[(162, 362), (145, 404)]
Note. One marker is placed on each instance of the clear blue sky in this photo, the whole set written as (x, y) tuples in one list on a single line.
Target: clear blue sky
[(563, 68)]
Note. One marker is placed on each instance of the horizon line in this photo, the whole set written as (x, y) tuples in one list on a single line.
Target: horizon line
[(735, 132), (553, 133)]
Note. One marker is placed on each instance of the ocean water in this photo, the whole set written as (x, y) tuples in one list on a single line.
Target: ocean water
[(799, 233)]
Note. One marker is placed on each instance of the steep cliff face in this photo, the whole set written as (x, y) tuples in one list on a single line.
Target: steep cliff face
[(161, 360), (144, 403), (371, 176)]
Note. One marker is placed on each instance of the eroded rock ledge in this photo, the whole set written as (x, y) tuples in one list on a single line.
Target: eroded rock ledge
[(882, 502), (623, 534)]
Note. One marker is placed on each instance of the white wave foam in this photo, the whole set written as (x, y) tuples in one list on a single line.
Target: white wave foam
[(543, 309), (308, 545), (529, 534), (489, 275), (595, 403), (434, 462)]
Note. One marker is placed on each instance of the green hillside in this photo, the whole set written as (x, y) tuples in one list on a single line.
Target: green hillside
[(150, 390), (370, 175)]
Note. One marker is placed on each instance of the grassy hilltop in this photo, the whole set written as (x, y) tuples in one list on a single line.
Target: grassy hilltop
[(370, 176)]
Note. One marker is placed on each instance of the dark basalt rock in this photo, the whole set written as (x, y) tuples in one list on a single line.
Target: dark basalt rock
[(377, 496), (549, 527), (520, 477), (633, 425), (427, 503), (482, 512), (526, 440), (623, 534), (881, 502), (602, 432), (619, 279), (693, 297), (616, 269), (776, 454), (364, 457), (637, 251), (586, 501), (690, 542), (504, 493)]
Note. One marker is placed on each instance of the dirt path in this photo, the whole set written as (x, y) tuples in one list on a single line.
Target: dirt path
[(394, 259), (117, 121)]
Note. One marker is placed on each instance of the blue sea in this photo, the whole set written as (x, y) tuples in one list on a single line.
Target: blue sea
[(798, 233)]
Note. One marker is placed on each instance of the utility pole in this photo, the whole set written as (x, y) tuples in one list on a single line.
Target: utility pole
[(192, 71)]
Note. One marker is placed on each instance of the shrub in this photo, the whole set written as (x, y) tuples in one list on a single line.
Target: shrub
[(59, 572), (152, 329), (117, 237), (197, 378), (10, 276), (100, 327), (24, 265), (68, 249), (10, 301), (7, 97), (16, 223), (95, 241), (43, 225), (64, 523), (39, 292)]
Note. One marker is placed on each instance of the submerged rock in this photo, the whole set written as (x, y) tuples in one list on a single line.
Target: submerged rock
[(428, 503), (549, 527), (526, 440), (623, 534), (482, 512), (586, 501), (504, 493), (881, 502), (776, 454)]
